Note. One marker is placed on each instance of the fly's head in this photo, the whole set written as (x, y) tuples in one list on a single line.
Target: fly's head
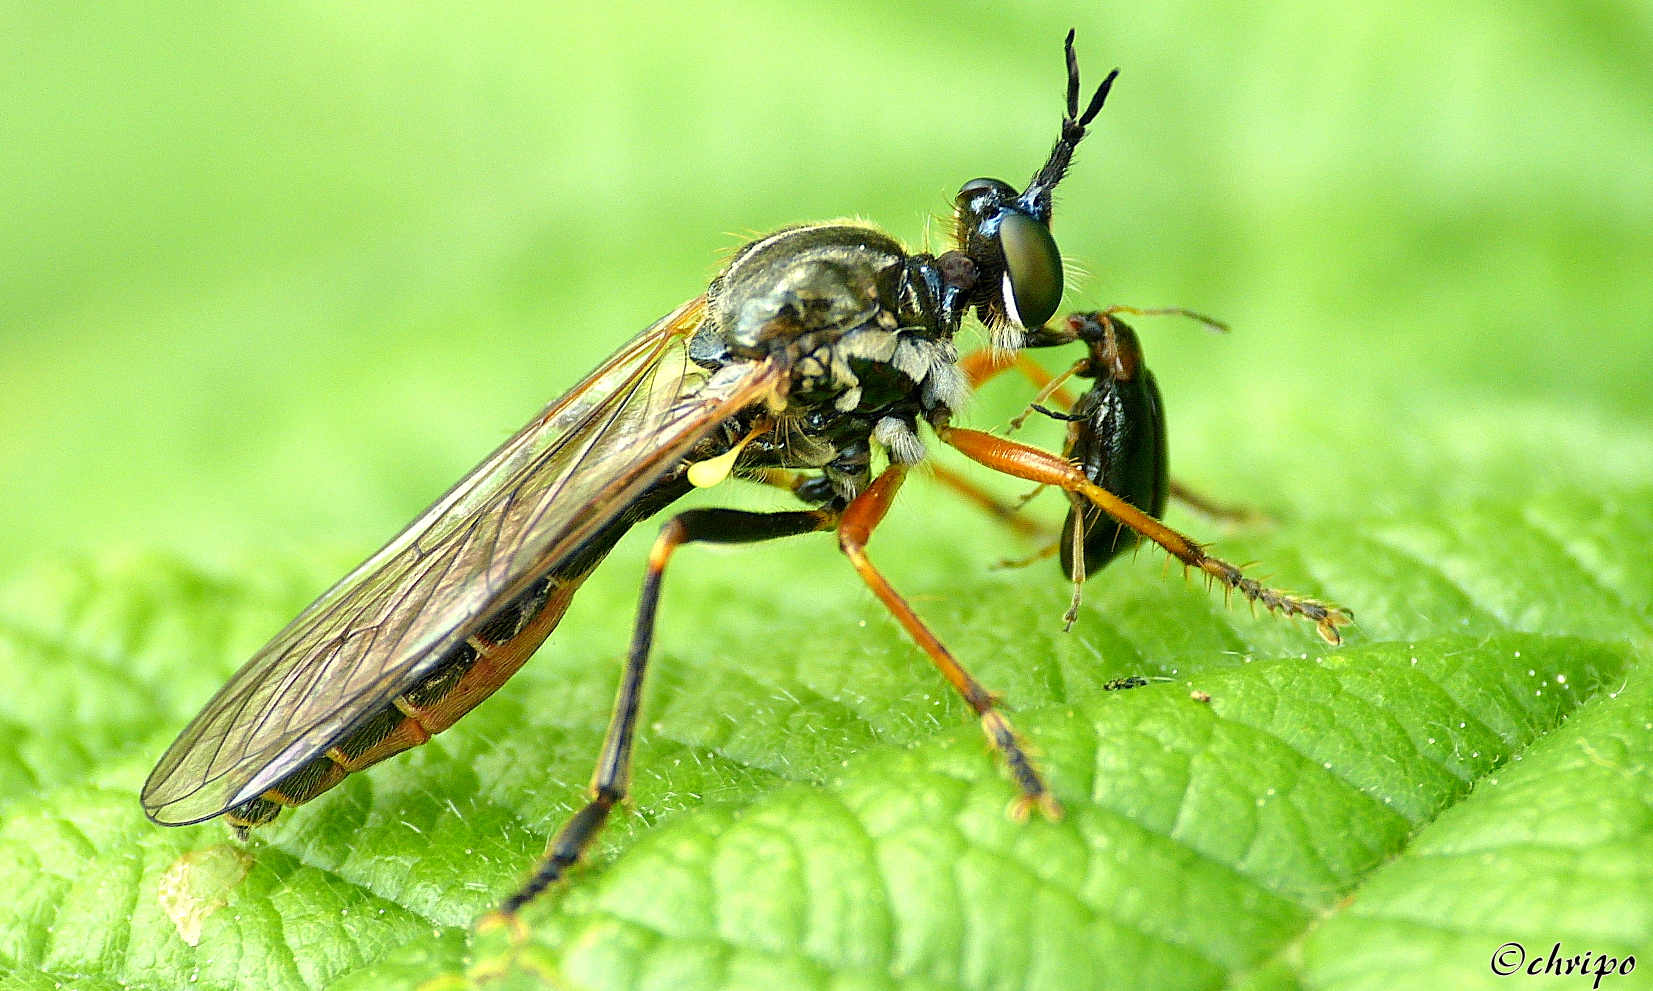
[(1005, 233)]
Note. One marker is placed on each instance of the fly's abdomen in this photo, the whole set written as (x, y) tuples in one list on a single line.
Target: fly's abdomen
[(466, 675)]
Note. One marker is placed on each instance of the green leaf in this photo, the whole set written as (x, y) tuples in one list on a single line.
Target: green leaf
[(275, 276), (826, 816)]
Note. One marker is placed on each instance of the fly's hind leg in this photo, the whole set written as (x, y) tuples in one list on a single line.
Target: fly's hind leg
[(855, 528), (1036, 465), (613, 775)]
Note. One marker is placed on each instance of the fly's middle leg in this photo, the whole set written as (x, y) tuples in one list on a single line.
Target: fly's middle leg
[(612, 779), (860, 518), (1007, 514), (1221, 512)]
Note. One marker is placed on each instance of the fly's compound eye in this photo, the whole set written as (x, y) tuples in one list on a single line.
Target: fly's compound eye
[(1032, 269)]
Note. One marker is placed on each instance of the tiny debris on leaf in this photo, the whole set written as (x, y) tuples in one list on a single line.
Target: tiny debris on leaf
[(198, 884)]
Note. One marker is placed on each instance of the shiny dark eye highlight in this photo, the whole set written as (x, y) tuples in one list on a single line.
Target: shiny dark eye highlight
[(1032, 269), (971, 189)]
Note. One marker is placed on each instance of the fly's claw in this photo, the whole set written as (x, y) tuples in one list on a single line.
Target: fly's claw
[(1327, 624), (1024, 805), (1325, 616), (1035, 794)]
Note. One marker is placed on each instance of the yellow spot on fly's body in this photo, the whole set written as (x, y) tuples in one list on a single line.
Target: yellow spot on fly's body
[(705, 474)]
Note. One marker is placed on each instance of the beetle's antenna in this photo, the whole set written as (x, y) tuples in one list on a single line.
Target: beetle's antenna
[(1037, 198)]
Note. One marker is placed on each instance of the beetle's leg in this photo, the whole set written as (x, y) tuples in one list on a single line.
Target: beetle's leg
[(986, 364), (860, 518), (981, 366), (1076, 570), (1051, 389), (613, 776), (1076, 573), (1048, 551), (1035, 465)]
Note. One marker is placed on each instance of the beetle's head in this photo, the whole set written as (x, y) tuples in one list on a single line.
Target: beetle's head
[(1006, 233)]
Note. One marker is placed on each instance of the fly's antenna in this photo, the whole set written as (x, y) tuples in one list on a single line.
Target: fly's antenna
[(1037, 198)]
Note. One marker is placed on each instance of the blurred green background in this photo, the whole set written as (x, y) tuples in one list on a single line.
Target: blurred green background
[(272, 276)]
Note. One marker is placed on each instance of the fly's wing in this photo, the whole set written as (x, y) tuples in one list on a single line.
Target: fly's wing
[(513, 518)]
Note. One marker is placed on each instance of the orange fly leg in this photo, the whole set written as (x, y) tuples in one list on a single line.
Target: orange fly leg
[(979, 367), (855, 528), (1035, 465), (1209, 508), (982, 366), (1009, 515)]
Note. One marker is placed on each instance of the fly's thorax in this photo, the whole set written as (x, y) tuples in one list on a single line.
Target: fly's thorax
[(857, 322), (804, 286), (858, 325)]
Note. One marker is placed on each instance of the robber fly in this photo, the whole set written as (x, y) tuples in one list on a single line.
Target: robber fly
[(814, 348)]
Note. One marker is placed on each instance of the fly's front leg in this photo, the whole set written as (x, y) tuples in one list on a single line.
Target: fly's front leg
[(612, 779), (1035, 465), (984, 365), (980, 367), (855, 528)]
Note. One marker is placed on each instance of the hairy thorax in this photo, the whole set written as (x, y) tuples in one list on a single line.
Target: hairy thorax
[(838, 306)]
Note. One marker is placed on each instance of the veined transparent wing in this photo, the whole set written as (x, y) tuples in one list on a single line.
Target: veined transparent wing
[(527, 507)]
